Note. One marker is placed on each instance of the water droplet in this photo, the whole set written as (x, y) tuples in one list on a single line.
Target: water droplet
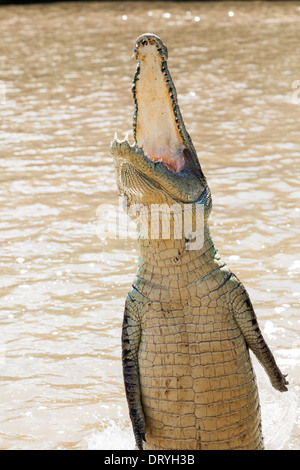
[(124, 17), (197, 18), (230, 13), (166, 15)]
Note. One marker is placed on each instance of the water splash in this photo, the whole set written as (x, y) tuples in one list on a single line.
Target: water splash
[(115, 435), (280, 411)]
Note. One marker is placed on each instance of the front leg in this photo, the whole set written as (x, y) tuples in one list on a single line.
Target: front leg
[(131, 335), (245, 317)]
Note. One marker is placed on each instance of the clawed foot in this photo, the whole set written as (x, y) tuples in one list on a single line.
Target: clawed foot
[(138, 424), (279, 382)]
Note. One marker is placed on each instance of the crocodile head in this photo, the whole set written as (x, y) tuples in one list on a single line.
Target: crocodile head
[(162, 165)]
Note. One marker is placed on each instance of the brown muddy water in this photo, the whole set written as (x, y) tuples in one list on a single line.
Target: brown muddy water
[(65, 79)]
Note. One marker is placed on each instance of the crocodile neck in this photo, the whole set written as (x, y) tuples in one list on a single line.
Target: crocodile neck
[(163, 260)]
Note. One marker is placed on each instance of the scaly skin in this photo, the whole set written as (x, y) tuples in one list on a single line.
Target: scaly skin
[(188, 322)]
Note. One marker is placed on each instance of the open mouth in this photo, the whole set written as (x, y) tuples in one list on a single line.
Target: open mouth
[(173, 159), (163, 152), (157, 123)]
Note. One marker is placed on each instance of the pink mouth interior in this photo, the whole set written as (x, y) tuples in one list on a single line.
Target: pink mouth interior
[(173, 164)]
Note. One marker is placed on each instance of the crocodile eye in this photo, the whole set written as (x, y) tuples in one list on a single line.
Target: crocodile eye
[(144, 42)]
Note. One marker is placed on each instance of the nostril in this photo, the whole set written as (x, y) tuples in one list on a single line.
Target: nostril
[(144, 42)]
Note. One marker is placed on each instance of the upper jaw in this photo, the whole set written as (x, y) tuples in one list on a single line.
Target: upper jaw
[(158, 126)]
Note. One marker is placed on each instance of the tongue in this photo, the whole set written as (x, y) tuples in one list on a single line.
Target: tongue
[(174, 164)]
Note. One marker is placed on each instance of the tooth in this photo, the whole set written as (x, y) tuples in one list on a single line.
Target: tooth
[(126, 136), (116, 136)]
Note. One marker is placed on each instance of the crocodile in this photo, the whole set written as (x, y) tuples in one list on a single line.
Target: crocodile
[(188, 322)]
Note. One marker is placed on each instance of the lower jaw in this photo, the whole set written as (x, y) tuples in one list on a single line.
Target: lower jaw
[(173, 164)]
